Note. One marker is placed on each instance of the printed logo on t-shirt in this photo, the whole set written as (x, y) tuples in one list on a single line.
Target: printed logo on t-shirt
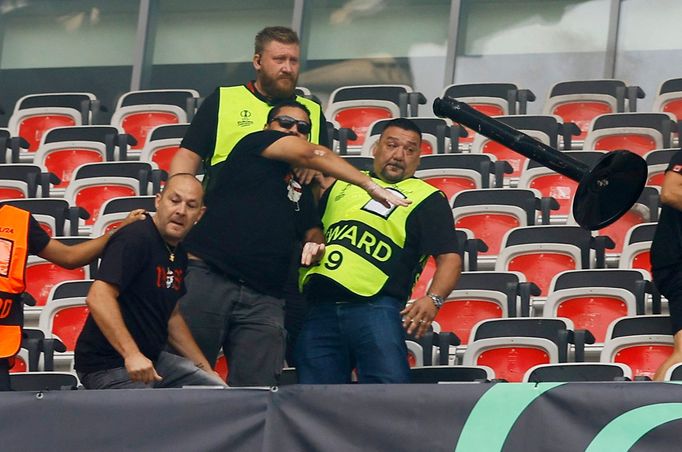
[(5, 256), (245, 119), (294, 190), (167, 278)]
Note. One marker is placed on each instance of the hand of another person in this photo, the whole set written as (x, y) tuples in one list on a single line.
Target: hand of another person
[(305, 176), (324, 181), (384, 196), (418, 316), (135, 215), (140, 368), (312, 253)]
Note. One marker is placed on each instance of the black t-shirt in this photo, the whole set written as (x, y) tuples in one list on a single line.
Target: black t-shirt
[(430, 232), (666, 249), (137, 261), (250, 226), (37, 237), (201, 134)]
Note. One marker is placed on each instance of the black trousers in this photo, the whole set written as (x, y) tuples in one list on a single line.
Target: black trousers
[(4, 375)]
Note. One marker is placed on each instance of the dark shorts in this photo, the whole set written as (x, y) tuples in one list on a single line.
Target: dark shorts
[(668, 281)]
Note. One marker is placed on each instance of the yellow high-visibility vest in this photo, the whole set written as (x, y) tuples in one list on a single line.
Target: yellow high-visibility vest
[(241, 112), (365, 240)]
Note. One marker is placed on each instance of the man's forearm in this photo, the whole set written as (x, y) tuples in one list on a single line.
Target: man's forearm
[(181, 339), (75, 256), (330, 164), (105, 310), (448, 269), (184, 161)]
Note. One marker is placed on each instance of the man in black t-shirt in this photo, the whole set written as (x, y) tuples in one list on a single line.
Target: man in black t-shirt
[(133, 302), (20, 236), (373, 256), (240, 252), (666, 255)]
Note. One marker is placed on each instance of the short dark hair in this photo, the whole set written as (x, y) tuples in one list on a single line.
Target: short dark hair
[(405, 124), (286, 103), (285, 35)]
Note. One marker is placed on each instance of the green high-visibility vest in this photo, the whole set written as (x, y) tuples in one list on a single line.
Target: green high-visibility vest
[(365, 240), (241, 112)]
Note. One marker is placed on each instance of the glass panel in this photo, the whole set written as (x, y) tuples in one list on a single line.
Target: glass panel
[(70, 45), (649, 50), (533, 43), (205, 44), (353, 42)]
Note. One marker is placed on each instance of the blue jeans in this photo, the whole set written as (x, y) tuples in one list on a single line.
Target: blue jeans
[(338, 337), (176, 372)]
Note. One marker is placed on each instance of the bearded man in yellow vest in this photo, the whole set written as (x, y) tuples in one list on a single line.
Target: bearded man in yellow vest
[(20, 236), (232, 112), (373, 255)]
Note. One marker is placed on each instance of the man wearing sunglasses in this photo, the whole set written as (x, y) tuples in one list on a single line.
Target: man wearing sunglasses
[(232, 112), (240, 251)]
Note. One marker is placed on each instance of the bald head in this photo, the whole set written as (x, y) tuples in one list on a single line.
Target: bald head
[(184, 179), (178, 207)]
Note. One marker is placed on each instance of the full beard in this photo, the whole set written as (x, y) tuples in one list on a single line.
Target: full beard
[(279, 88)]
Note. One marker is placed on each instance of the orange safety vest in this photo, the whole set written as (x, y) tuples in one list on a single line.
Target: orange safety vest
[(13, 255)]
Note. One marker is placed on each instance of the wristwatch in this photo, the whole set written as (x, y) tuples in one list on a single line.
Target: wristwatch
[(437, 299)]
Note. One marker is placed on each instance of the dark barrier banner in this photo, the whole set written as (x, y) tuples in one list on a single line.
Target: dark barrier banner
[(595, 417)]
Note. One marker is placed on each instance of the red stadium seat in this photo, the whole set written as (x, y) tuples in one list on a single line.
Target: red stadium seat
[(510, 357), (35, 114), (580, 101), (591, 308), (92, 193), (359, 115), (637, 132), (138, 120), (541, 252), (642, 353), (64, 319), (492, 99), (221, 367), (42, 275)]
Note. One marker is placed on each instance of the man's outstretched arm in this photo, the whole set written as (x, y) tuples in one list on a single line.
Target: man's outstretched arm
[(301, 153)]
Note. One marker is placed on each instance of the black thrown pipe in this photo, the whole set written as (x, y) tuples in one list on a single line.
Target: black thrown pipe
[(606, 191)]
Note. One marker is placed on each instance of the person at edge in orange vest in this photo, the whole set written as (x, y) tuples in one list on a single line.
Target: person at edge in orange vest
[(20, 236)]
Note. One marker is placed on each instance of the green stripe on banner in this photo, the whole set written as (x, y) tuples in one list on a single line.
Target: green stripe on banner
[(625, 430), (504, 403)]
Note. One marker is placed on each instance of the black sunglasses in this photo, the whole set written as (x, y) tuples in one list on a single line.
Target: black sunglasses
[(288, 122)]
